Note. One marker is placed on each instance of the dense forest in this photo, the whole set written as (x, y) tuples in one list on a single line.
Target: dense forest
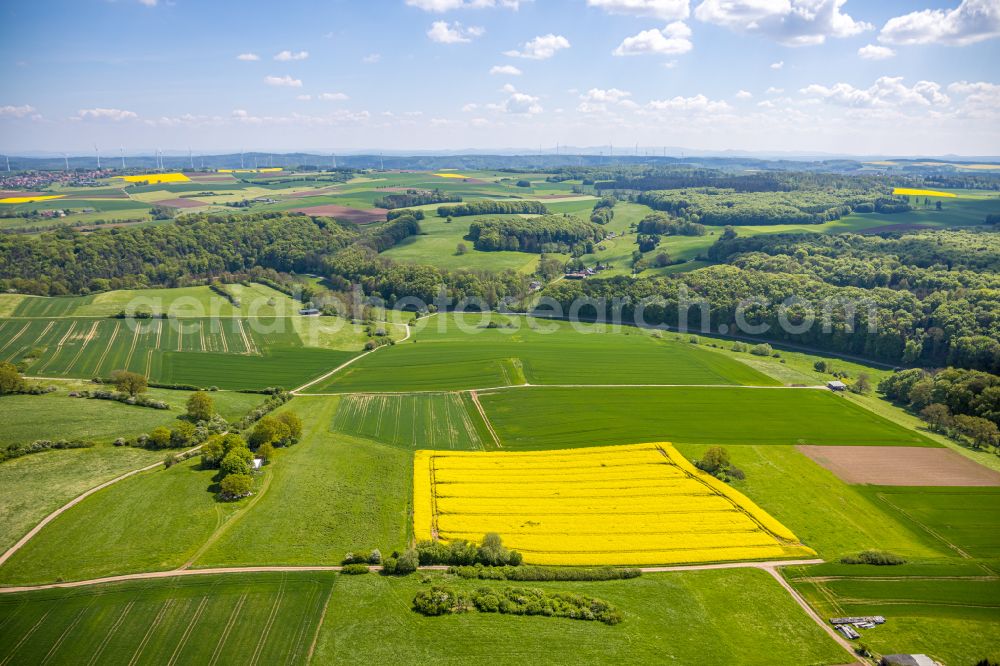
[(548, 233), (68, 262), (415, 198), (664, 225), (489, 207), (714, 206), (392, 232)]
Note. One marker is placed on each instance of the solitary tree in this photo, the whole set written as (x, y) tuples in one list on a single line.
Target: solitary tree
[(937, 415), (200, 406), (862, 384), (982, 432), (10, 379), (461, 248), (715, 458), (129, 382), (236, 486)]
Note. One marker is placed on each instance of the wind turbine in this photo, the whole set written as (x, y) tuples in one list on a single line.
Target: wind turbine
[(7, 157), (191, 157), (241, 158), (334, 156), (381, 164), (98, 152), (123, 158), (66, 159)]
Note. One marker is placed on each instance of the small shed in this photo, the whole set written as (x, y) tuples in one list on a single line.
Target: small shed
[(257, 462), (836, 385), (309, 311), (907, 660)]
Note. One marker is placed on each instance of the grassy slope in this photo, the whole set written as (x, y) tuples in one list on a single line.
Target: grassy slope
[(57, 416), (262, 618), (33, 486), (148, 522), (329, 494), (540, 417), (719, 617)]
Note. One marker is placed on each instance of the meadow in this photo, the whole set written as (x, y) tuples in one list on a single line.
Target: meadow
[(57, 416), (543, 352), (554, 417), (328, 494), (738, 616), (33, 486), (617, 505), (249, 619)]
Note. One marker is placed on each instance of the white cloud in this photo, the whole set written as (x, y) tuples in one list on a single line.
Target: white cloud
[(10, 111), (286, 56), (981, 99), (148, 3), (666, 10), (371, 58), (107, 114), (335, 97), (304, 98), (441, 6), (789, 22), (873, 52), (612, 95), (507, 70), (697, 103), (541, 47), (248, 57), (444, 33), (672, 40), (518, 102), (886, 92), (777, 65), (285, 81), (470, 107), (774, 90), (744, 94), (972, 21)]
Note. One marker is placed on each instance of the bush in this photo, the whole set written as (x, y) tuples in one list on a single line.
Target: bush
[(876, 557), (761, 350), (460, 552), (440, 600), (354, 569), (236, 486), (401, 564)]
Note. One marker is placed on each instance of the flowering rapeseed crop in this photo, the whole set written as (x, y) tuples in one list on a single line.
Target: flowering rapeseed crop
[(152, 178), (21, 200), (627, 505), (906, 191)]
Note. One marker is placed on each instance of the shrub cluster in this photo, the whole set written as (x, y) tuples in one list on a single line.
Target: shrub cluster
[(441, 600), (876, 557), (277, 399), (363, 557), (137, 400), (17, 450), (491, 552), (355, 569), (532, 573), (401, 564)]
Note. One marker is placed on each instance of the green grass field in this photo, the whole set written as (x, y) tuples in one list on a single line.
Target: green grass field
[(454, 352), (425, 421), (57, 416), (329, 494), (703, 617), (553, 417), (33, 486), (148, 522), (247, 619)]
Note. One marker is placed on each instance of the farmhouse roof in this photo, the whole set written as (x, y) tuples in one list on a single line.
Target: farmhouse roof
[(907, 660)]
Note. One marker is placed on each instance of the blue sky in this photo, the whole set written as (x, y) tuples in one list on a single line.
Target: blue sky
[(892, 77)]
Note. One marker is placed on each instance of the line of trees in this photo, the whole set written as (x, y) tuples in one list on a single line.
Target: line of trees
[(664, 225), (415, 198), (492, 207)]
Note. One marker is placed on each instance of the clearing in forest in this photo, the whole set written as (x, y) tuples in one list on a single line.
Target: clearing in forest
[(615, 505)]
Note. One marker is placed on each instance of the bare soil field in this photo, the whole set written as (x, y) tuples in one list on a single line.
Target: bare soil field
[(356, 215), (211, 178), (901, 466), (180, 203)]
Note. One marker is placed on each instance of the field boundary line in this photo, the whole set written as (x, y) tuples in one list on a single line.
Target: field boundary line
[(208, 571), (319, 625), (343, 365), (482, 412), (523, 386), (73, 502)]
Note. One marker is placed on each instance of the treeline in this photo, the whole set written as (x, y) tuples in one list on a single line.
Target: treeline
[(879, 323), (962, 392), (549, 233), (380, 277), (716, 207), (166, 255), (490, 207), (386, 235), (663, 225), (415, 198)]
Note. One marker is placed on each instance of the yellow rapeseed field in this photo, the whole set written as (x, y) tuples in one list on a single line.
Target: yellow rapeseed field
[(21, 200), (450, 175), (617, 505), (906, 191), (152, 178)]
